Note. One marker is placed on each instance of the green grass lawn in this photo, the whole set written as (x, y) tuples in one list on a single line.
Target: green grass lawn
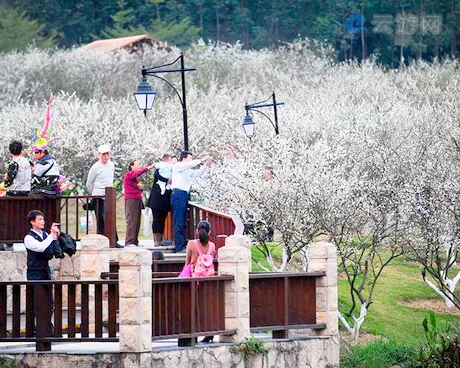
[(259, 257), (387, 317)]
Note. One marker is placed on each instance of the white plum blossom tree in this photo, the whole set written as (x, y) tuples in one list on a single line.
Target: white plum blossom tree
[(369, 156)]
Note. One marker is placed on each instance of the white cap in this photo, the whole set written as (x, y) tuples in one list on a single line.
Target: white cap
[(103, 148)]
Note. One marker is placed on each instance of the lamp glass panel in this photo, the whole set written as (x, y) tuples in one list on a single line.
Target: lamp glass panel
[(145, 100), (248, 126)]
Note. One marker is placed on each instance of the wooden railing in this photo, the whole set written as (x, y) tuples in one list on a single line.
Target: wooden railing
[(182, 308), (14, 210), (72, 210), (66, 296), (66, 210), (221, 224), (283, 301), (167, 265), (185, 308)]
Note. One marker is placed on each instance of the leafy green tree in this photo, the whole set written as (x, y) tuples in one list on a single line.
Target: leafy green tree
[(122, 23), (179, 33), (18, 31)]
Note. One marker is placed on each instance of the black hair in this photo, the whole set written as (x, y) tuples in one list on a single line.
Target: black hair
[(32, 216), (157, 255), (130, 165), (203, 229), (166, 156), (184, 154), (15, 148)]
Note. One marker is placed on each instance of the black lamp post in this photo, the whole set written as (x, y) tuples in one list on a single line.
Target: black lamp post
[(145, 96), (248, 123)]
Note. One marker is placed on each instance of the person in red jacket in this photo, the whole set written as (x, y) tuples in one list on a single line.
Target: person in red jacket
[(133, 201)]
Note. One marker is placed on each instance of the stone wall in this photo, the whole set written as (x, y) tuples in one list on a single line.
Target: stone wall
[(314, 352)]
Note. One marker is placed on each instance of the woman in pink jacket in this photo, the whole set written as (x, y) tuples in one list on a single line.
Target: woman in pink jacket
[(133, 201)]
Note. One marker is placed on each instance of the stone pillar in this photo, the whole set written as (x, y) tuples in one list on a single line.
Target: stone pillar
[(322, 256), (135, 290), (235, 259), (94, 256)]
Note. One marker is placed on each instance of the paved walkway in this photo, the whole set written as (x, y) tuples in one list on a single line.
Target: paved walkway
[(83, 347), (105, 347), (101, 347)]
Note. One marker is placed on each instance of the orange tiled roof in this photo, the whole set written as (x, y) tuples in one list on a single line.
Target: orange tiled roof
[(113, 44)]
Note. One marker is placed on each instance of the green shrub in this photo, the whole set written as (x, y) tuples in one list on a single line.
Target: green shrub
[(249, 348), (442, 349), (380, 354), (7, 363)]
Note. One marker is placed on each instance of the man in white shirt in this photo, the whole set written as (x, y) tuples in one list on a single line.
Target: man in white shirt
[(40, 249), (39, 246), (182, 175), (100, 176)]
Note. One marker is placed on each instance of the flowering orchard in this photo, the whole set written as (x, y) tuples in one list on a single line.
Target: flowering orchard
[(369, 156)]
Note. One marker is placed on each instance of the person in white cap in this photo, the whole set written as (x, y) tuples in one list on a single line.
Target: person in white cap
[(100, 176)]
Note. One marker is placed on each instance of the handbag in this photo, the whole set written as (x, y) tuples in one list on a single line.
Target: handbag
[(186, 271)]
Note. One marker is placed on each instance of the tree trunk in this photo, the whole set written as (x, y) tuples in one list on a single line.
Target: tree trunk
[(358, 322), (449, 284)]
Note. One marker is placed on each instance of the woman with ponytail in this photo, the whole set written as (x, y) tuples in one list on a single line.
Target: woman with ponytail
[(201, 252), (200, 255)]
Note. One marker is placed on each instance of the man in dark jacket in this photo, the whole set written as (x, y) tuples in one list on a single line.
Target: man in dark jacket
[(39, 246), (45, 177)]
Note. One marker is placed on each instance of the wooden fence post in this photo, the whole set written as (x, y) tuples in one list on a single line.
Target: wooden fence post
[(44, 310), (220, 241), (110, 224)]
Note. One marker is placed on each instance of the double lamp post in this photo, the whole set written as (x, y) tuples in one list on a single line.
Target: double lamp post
[(145, 97)]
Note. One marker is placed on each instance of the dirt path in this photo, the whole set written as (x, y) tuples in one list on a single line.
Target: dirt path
[(434, 305)]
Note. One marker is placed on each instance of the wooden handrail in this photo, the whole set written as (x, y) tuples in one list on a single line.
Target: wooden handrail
[(239, 226), (221, 223), (276, 275), (177, 280)]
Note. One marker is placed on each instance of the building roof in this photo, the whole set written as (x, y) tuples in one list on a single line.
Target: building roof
[(114, 44)]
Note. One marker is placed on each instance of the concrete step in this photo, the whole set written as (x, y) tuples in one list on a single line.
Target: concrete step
[(150, 245)]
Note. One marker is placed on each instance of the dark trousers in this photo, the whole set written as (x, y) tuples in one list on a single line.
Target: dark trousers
[(179, 200), (159, 219), (43, 303), (133, 207), (100, 214)]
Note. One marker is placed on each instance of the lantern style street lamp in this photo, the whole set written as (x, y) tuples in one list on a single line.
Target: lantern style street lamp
[(248, 123), (145, 95)]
